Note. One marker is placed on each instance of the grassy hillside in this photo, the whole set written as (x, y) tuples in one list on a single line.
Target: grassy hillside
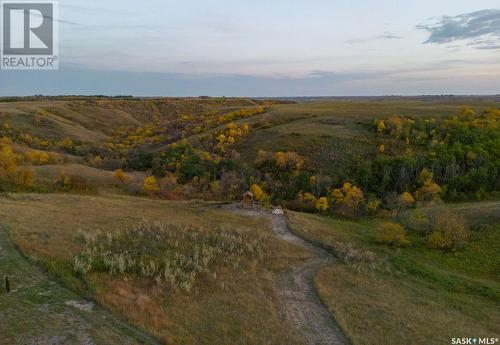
[(91, 120), (117, 199), (408, 295), (66, 317), (337, 140), (234, 304)]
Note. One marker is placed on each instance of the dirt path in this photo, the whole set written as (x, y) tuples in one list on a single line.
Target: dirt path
[(39, 311), (302, 306)]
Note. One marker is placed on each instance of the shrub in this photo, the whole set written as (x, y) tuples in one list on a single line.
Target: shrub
[(169, 254), (73, 183), (8, 161), (436, 240), (150, 184), (322, 204), (405, 200), (25, 177), (37, 157), (121, 177), (449, 231), (429, 190), (373, 205), (392, 234)]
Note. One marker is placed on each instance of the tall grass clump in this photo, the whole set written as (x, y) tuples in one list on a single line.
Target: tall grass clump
[(171, 254)]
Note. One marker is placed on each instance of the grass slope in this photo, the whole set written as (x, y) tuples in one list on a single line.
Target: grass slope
[(410, 295), (239, 308), (39, 311)]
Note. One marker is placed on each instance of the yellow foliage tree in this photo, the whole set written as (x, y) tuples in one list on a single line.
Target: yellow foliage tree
[(280, 158), (322, 204), (67, 143), (259, 194), (309, 198), (392, 234), (381, 126), (429, 191), (37, 157), (291, 160), (394, 125), (9, 169), (450, 231), (405, 200), (25, 178), (8, 162), (230, 135), (348, 197), (150, 185)]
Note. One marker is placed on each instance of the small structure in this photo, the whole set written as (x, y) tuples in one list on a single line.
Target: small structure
[(248, 199)]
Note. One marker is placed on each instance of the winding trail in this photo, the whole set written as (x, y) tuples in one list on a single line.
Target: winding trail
[(302, 306)]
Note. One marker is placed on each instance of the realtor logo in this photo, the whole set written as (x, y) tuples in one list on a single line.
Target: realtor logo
[(29, 37)]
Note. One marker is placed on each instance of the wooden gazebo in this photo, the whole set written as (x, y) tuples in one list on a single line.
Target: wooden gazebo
[(248, 199)]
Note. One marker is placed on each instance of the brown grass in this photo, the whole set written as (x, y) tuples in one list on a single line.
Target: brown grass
[(374, 309), (238, 308)]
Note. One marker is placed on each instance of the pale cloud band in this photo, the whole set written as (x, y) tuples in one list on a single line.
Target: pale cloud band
[(480, 29)]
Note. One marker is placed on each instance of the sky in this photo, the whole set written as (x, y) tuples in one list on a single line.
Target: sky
[(271, 48)]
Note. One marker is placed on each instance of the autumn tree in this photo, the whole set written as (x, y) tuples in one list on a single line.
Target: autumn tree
[(230, 135), (120, 176), (392, 234), (309, 198), (394, 126), (289, 160), (322, 204), (37, 157), (259, 194), (67, 144), (429, 190), (230, 185), (24, 178), (348, 198), (449, 231), (8, 162), (405, 200), (150, 185), (381, 126)]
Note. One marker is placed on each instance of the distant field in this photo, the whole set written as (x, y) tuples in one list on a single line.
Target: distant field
[(331, 133)]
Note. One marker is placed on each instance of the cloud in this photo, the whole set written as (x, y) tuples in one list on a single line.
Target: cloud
[(480, 29), (385, 36)]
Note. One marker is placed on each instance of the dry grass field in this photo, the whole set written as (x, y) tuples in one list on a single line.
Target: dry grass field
[(237, 307)]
